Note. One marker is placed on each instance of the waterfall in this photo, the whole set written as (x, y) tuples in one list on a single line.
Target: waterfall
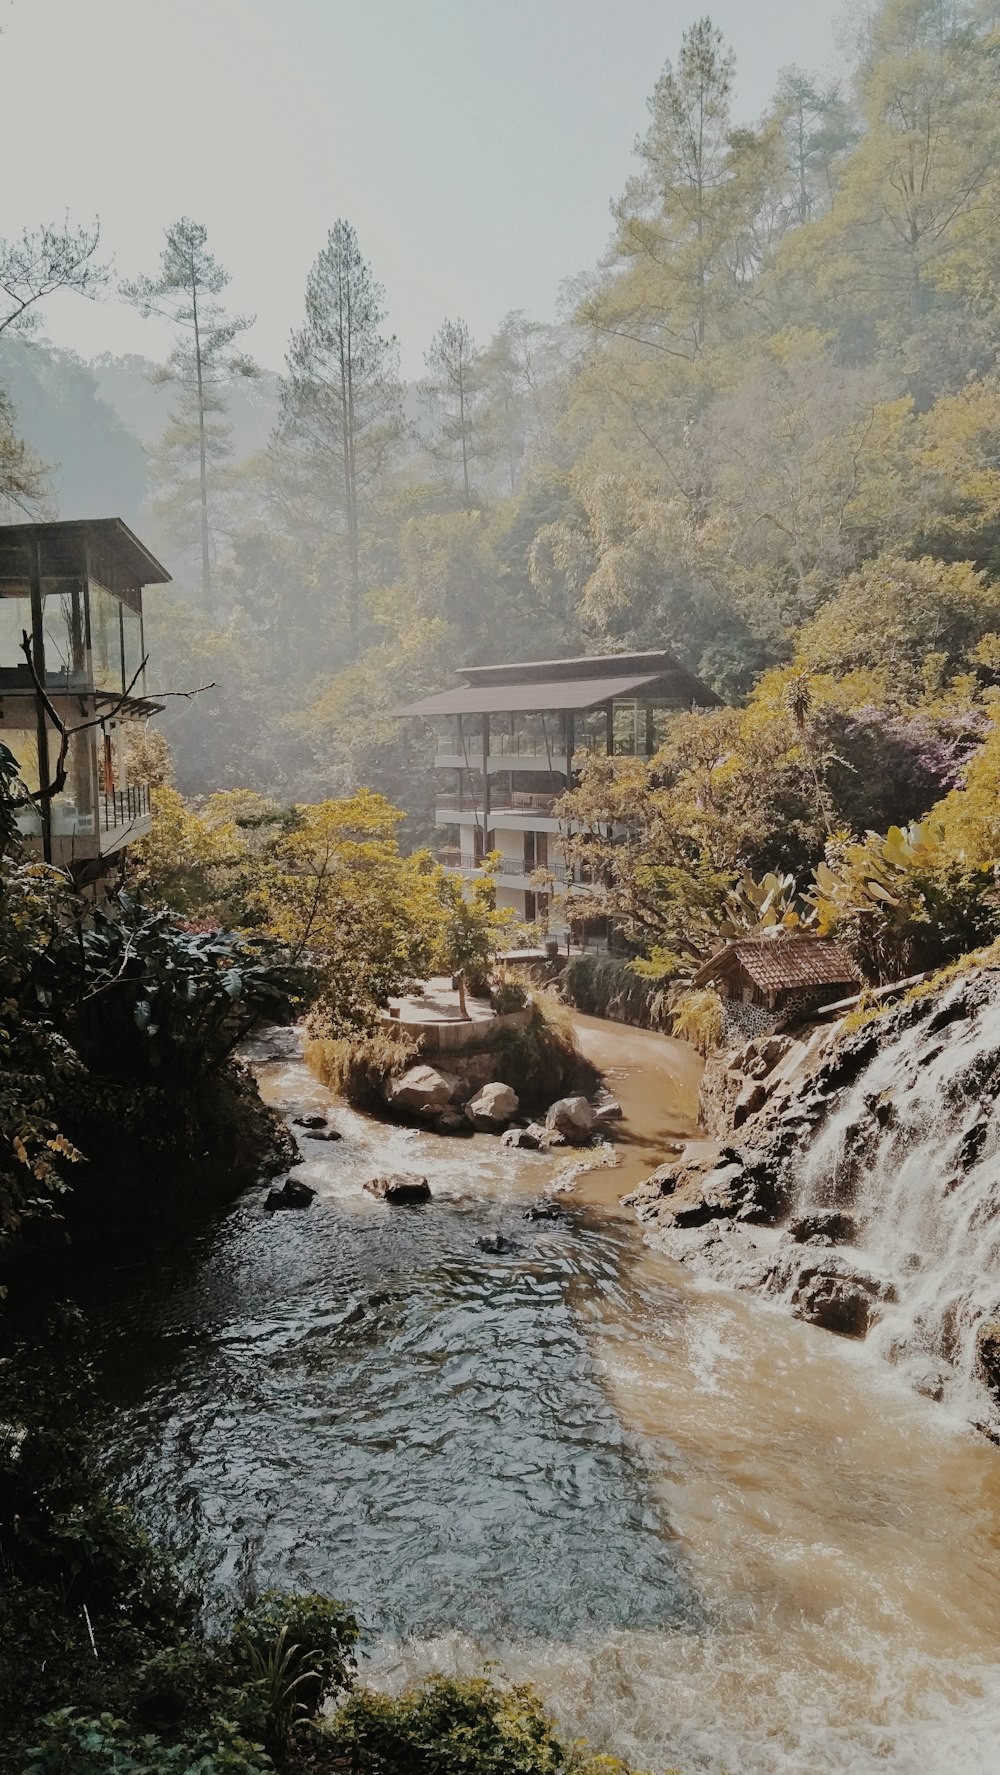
[(912, 1151)]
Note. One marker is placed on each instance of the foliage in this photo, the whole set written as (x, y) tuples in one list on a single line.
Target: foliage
[(508, 993), (903, 903), (473, 932), (606, 986), (323, 1630), (155, 1001), (697, 1017), (76, 1745), (769, 904), (359, 1067), (452, 1726)]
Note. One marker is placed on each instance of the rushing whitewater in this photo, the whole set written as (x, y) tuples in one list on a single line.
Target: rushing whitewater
[(913, 1150), (865, 1194)]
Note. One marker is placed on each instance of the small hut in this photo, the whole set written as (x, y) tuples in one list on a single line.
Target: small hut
[(763, 980)]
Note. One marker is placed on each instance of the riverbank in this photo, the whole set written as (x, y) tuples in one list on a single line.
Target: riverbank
[(717, 1539)]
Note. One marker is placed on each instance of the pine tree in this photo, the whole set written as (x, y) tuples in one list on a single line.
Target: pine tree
[(202, 366), (454, 391), (341, 399)]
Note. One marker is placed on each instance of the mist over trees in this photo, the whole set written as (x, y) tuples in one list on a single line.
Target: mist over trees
[(782, 375)]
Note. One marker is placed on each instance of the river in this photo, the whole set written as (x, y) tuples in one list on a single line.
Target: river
[(717, 1539)]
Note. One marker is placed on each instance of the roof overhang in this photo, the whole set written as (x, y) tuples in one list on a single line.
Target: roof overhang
[(132, 558), (539, 696)]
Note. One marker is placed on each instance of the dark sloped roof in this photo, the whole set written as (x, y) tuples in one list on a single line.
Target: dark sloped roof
[(131, 556), (509, 697), (782, 962)]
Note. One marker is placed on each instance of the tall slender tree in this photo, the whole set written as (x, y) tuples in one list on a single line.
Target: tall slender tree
[(454, 391), (341, 416), (204, 362), (675, 218)]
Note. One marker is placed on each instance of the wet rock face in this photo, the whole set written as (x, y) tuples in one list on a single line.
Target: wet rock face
[(861, 1187), (840, 1298), (827, 1226)]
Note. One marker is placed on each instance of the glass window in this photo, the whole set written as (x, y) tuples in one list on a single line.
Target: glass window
[(73, 809), (132, 631), (62, 624), (15, 618), (105, 639)]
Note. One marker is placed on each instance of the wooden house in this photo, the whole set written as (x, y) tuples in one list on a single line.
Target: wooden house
[(762, 980)]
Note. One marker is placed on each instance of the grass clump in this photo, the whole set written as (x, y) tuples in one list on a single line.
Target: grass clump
[(697, 1017), (359, 1067)]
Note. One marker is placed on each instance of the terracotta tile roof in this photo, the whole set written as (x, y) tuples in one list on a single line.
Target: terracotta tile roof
[(783, 963)]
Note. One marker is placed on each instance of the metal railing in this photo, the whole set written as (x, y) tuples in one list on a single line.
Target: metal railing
[(123, 807)]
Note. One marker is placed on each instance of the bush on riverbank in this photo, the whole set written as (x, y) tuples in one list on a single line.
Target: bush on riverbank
[(606, 986), (360, 1069)]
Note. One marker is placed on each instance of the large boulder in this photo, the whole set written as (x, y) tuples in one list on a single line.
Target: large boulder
[(988, 1354), (573, 1118), (399, 1189), (422, 1091), (492, 1108), (840, 1298)]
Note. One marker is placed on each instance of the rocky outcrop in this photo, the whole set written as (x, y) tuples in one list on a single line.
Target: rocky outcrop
[(399, 1189), (493, 1108), (855, 1176), (840, 1297), (573, 1118)]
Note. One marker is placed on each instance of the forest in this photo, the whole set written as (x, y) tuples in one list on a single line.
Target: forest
[(762, 434)]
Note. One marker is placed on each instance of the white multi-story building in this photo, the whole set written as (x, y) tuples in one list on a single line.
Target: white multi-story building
[(509, 741)]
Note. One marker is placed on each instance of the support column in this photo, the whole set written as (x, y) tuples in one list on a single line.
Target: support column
[(609, 728), (486, 782), (38, 656)]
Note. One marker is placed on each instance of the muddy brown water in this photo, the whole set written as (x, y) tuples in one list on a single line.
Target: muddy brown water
[(717, 1539)]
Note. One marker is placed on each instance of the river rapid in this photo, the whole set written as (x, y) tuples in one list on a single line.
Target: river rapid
[(718, 1539)]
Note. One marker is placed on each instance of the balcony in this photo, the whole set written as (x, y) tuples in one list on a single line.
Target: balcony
[(454, 807), (124, 807)]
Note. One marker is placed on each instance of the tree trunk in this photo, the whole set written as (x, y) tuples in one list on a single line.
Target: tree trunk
[(206, 559), (463, 1009)]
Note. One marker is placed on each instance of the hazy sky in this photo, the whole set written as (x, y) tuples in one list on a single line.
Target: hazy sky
[(474, 145)]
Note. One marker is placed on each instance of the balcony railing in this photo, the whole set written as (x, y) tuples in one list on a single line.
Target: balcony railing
[(507, 802), (123, 807)]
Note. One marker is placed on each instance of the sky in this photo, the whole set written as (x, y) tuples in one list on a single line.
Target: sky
[(475, 146)]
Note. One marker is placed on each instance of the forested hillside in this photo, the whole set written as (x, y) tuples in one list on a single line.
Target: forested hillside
[(764, 434)]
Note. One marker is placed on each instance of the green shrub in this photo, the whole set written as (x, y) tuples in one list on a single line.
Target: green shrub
[(73, 1744), (508, 994), (318, 1627), (448, 1726), (541, 1060)]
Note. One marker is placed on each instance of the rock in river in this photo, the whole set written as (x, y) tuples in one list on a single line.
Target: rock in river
[(399, 1189), (573, 1118), (492, 1108), (308, 1121), (292, 1194), (422, 1090), (834, 1294)]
